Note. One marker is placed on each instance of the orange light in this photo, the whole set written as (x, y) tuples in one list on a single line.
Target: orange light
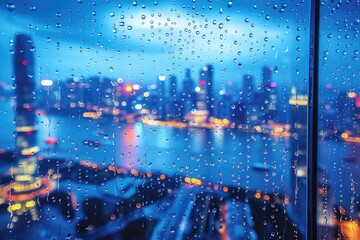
[(216, 187), (149, 174), (134, 172), (267, 197), (225, 189), (162, 176), (112, 217), (112, 168), (138, 205), (257, 195)]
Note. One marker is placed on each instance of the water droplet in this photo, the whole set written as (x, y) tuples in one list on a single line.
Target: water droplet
[(111, 69), (229, 4), (134, 3), (221, 26), (172, 230), (129, 28), (267, 17), (114, 30), (227, 18), (330, 35), (143, 16), (58, 25), (298, 38), (112, 14), (10, 7)]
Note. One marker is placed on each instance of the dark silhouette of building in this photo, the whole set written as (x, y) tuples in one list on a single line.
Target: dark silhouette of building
[(26, 147)]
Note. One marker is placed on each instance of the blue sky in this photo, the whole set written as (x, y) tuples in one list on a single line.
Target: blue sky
[(140, 41)]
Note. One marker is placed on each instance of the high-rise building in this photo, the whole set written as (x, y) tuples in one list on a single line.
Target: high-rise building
[(188, 97), (25, 114), (299, 107), (172, 87), (247, 89), (205, 95), (269, 98), (26, 185), (161, 101)]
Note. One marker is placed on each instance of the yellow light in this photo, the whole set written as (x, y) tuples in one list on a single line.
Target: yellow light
[(30, 204), (257, 195), (344, 135), (187, 180), (14, 207), (352, 95), (225, 121), (25, 129), (146, 94), (195, 181), (128, 89), (23, 178), (30, 151)]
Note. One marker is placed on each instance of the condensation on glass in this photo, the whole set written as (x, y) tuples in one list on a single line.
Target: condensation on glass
[(339, 119), (163, 119)]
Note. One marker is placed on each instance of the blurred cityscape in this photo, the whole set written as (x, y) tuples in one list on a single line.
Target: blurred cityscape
[(118, 200)]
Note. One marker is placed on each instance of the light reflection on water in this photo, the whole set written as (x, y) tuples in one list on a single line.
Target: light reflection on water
[(219, 156)]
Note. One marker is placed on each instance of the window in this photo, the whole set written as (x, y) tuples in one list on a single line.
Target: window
[(176, 119)]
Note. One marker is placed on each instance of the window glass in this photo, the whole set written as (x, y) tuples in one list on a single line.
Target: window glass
[(339, 105), (155, 119)]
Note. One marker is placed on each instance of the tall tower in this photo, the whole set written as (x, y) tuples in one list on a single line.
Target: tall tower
[(26, 147), (161, 106), (21, 193), (188, 97), (205, 94), (268, 103), (172, 87), (248, 89)]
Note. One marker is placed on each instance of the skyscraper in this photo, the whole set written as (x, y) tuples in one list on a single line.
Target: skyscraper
[(247, 89), (188, 97), (161, 106), (26, 185), (205, 95), (25, 115), (269, 98)]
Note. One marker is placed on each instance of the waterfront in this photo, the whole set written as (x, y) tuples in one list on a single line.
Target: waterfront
[(220, 156)]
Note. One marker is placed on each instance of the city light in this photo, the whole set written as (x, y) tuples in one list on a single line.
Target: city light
[(136, 87), (46, 83), (162, 78), (128, 89)]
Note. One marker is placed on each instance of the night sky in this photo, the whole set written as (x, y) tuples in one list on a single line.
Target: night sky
[(140, 40)]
